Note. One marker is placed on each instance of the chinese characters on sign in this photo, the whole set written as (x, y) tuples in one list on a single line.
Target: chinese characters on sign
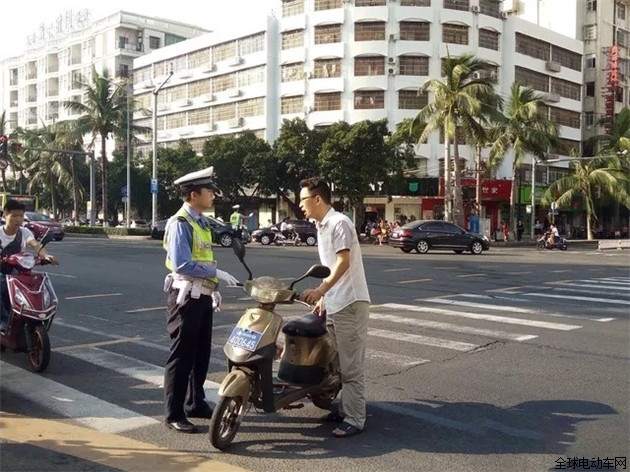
[(584, 463)]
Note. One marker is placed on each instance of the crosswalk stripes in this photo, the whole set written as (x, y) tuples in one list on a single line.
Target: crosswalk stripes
[(450, 325)]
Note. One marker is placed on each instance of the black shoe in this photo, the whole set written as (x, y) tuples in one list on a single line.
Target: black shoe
[(182, 426), (200, 412)]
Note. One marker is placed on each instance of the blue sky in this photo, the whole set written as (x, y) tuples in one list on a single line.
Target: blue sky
[(24, 17)]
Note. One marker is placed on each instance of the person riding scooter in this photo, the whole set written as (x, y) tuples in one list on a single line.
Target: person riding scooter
[(13, 239)]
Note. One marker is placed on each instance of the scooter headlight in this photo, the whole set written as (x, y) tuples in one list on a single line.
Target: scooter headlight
[(46, 294), (21, 299)]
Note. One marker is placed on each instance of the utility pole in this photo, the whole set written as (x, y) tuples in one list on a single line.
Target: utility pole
[(154, 180)]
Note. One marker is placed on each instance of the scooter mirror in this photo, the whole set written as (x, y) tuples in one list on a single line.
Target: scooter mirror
[(46, 239), (318, 271)]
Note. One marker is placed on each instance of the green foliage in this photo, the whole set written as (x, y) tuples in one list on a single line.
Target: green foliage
[(97, 231)]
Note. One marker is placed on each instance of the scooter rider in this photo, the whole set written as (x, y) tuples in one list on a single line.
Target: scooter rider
[(13, 239), (192, 298)]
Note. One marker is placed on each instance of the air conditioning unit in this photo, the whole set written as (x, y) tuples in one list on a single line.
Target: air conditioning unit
[(504, 15), (233, 93), (184, 102), (185, 132), (552, 66), (208, 68), (208, 98), (392, 37), (391, 71), (235, 61), (185, 74), (475, 9), (163, 106), (391, 60), (308, 75), (235, 123), (553, 97), (208, 127)]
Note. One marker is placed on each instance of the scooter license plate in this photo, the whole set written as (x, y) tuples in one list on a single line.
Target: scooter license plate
[(245, 338)]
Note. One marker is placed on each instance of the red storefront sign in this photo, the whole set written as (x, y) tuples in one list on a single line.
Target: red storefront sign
[(493, 189)]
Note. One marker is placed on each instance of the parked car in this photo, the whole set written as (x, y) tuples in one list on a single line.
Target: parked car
[(134, 224), (433, 234), (306, 230), (39, 224), (222, 233)]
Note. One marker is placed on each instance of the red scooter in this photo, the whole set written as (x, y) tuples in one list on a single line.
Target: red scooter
[(33, 306)]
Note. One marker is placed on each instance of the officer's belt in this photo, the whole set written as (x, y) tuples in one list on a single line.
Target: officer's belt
[(195, 285)]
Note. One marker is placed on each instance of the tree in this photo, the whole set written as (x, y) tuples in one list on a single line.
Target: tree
[(361, 158), (458, 99), (606, 173), (103, 110), (522, 129)]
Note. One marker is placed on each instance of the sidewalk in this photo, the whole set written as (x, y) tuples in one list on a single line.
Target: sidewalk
[(47, 446)]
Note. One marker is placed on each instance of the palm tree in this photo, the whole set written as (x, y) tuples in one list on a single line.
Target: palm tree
[(458, 99), (607, 173), (103, 110), (522, 129)]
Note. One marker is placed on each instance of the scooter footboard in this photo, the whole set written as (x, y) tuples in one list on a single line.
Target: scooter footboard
[(236, 384)]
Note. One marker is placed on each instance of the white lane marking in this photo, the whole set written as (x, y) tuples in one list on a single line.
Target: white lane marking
[(393, 358), (475, 429), (486, 306), (493, 297), (605, 320), (397, 270), (412, 281), (490, 333), (587, 299), (142, 310), (94, 296), (599, 285), (471, 275), (425, 340), (71, 403), (479, 316), (591, 292)]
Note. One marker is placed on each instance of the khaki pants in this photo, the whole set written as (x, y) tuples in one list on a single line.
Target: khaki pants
[(348, 329)]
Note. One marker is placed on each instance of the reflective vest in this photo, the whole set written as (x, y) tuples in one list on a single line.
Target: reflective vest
[(201, 244), (235, 219)]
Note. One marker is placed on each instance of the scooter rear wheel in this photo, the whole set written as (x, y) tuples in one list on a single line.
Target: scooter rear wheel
[(39, 355), (226, 419)]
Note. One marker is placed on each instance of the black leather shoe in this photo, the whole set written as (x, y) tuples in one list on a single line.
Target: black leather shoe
[(182, 426), (200, 412)]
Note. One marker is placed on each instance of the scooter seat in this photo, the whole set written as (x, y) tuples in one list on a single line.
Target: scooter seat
[(309, 326)]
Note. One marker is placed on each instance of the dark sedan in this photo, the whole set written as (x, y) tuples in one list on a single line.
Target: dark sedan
[(306, 230), (222, 233), (433, 234)]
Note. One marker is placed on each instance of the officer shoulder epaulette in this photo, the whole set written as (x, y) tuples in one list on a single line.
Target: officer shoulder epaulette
[(181, 219)]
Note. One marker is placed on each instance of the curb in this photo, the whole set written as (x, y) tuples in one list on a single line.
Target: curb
[(118, 452)]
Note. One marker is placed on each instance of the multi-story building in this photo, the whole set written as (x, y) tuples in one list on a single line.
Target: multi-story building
[(34, 85), (352, 60)]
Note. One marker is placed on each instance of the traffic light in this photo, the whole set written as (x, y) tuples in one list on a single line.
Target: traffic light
[(4, 146)]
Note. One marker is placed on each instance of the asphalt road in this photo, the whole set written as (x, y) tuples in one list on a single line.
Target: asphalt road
[(515, 359)]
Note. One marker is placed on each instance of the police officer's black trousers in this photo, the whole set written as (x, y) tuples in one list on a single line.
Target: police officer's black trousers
[(190, 329)]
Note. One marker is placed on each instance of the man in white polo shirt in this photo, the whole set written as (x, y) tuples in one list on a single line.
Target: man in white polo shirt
[(344, 297)]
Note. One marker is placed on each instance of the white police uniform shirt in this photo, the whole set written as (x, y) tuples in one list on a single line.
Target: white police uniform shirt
[(5, 239), (334, 234)]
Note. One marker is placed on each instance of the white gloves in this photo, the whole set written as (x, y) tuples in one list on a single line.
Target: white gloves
[(229, 280), (216, 301)]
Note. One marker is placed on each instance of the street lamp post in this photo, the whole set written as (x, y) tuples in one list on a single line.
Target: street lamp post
[(532, 220), (154, 182)]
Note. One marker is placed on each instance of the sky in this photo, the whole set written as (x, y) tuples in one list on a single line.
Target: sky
[(25, 16)]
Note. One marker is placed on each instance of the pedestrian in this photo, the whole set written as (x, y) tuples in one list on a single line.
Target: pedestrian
[(343, 298), (520, 229), (505, 229), (192, 291)]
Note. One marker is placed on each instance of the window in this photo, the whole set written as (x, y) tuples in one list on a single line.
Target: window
[(488, 39), (590, 61), (253, 107), (291, 72), (176, 120), (532, 79), (413, 65), (454, 34), (199, 117), (619, 95), (223, 51), (415, 30), (621, 11), (415, 3), (590, 32), (370, 3), (532, 47), (462, 5), (154, 42), (369, 31), (173, 94), (199, 58), (369, 99), (327, 4), (328, 101), (123, 70), (292, 39), (590, 89), (591, 5), (325, 68), (224, 112), (251, 44), (369, 65), (564, 117), (253, 76), (223, 83), (411, 100), (589, 118), (291, 104), (292, 7), (570, 59), (327, 34), (490, 8), (198, 88), (622, 38), (566, 89)]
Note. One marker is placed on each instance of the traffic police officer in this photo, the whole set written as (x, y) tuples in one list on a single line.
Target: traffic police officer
[(191, 288)]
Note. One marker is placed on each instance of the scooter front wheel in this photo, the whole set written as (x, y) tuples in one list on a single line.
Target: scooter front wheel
[(226, 419), (39, 354)]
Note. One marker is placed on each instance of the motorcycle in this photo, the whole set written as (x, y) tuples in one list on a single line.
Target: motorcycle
[(281, 240), (308, 363), (33, 305), (543, 243)]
